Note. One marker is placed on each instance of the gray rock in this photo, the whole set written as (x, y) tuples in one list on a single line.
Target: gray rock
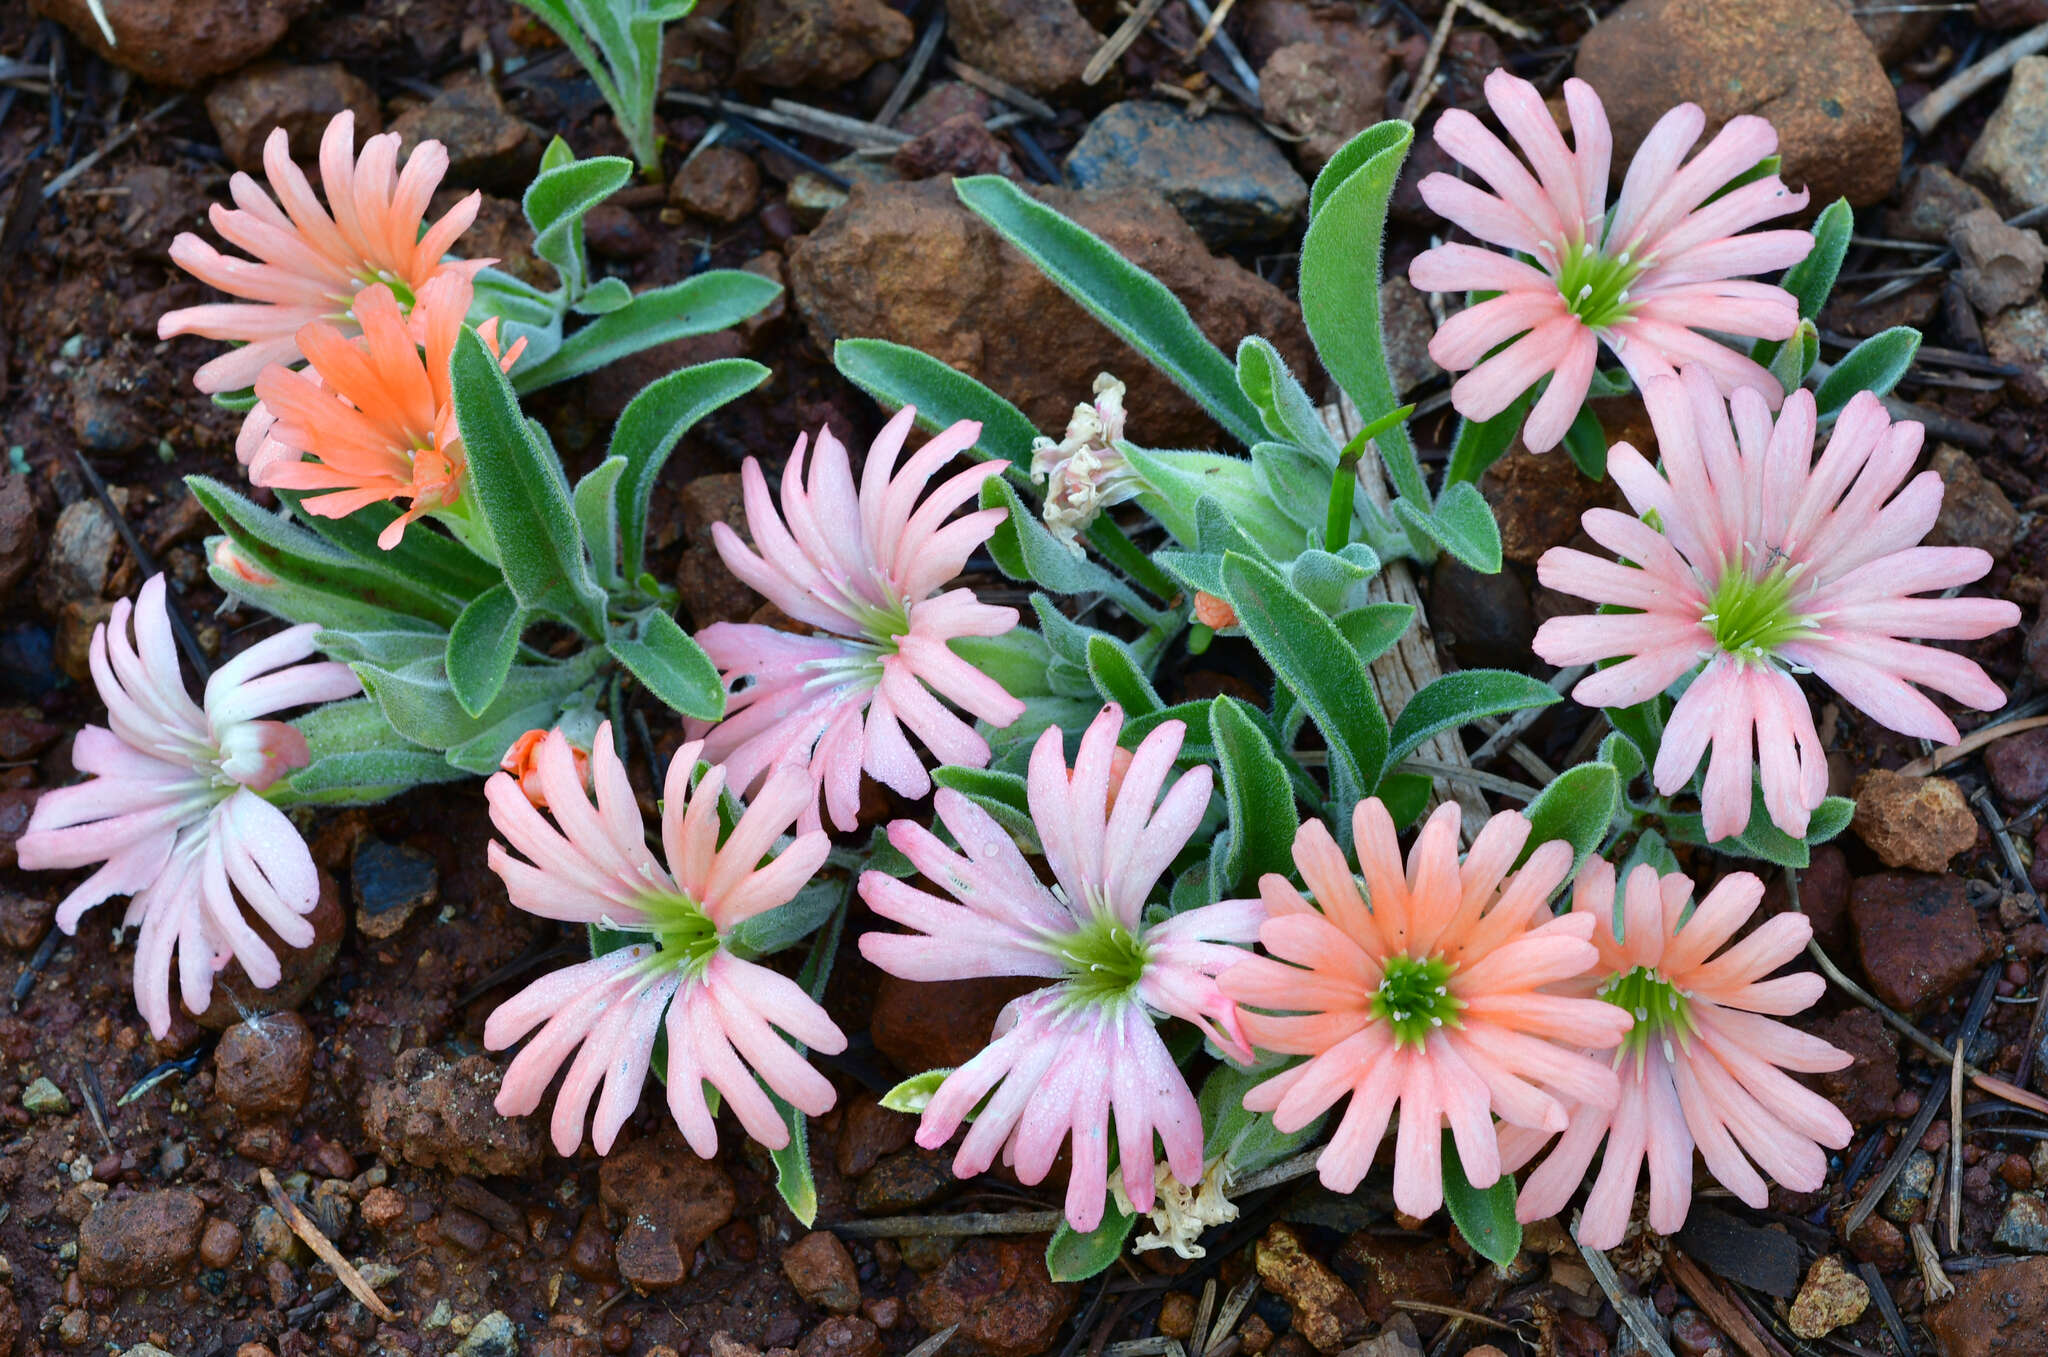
[(2024, 1226), (2020, 337), (2011, 155), (1221, 173), (1935, 199), (1974, 511), (391, 882), (1324, 95), (1909, 1190), (493, 1336), (2001, 265)]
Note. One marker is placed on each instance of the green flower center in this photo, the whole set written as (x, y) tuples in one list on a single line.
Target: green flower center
[(686, 934), (883, 624), (1415, 999), (1659, 1007), (1752, 615), (1595, 285), (1104, 961)]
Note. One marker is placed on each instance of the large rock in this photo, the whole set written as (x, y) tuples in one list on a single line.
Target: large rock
[(1037, 45), (1916, 936), (1896, 31), (1974, 511), (1996, 1312), (938, 1024), (818, 43), (300, 99), (1803, 64), (909, 263), (140, 1241), (1221, 173), (488, 145), (438, 1114), (179, 42), (670, 1201), (2011, 154)]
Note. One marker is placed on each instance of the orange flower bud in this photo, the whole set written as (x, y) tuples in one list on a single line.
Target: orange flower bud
[(522, 761), (1213, 613)]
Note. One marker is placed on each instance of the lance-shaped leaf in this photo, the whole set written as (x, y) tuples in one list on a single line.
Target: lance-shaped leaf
[(1875, 365), (481, 646), (1484, 1216), (650, 427), (1075, 1257), (1025, 549), (1284, 408), (1258, 796), (714, 300), (671, 665), (1458, 699), (897, 375)]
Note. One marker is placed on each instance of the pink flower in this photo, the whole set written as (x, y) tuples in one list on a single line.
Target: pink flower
[(1645, 279), (862, 568), (1066, 1057), (1755, 561), (175, 808), (1424, 993), (592, 866), (308, 265), (1702, 1066)]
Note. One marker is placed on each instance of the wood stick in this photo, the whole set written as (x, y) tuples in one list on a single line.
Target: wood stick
[(1952, 92), (344, 1271)]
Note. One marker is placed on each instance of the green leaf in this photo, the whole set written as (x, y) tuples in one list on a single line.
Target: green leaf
[(1296, 483), (776, 930), (714, 300), (1586, 441), (420, 705), (896, 376), (1001, 794), (1462, 525), (596, 502), (556, 203), (1331, 580), (671, 665), (1875, 366), (1017, 659), (1457, 699), (1813, 278), (357, 759), (523, 495), (1311, 656), (1177, 481), (481, 647), (793, 1164), (1484, 1216), (650, 427), (915, 1094), (1075, 1257), (1118, 677), (1579, 807), (1284, 408), (1796, 357), (1025, 549), (1132, 303), (1258, 796), (1373, 629)]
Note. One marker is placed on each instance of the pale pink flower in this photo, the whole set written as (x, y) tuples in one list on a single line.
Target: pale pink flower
[(1067, 1057), (592, 866), (1702, 1067), (1085, 473), (175, 808), (863, 568), (1645, 278), (1424, 993), (308, 265), (1756, 561)]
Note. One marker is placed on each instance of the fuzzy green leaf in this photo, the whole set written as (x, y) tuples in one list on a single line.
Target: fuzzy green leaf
[(671, 665), (897, 375), (1458, 699), (1258, 795), (650, 427), (1075, 1257), (1484, 1216), (713, 300), (481, 647)]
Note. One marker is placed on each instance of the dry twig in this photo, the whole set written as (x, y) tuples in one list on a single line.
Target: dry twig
[(1969, 744), (1945, 97), (323, 1248), (1119, 42)]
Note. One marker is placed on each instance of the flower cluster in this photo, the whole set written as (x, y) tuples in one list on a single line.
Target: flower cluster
[(1084, 473)]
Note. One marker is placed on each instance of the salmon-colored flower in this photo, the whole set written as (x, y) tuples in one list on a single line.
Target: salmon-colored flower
[(1426, 993), (522, 761), (1703, 1065), (1646, 278), (1213, 612), (309, 265), (370, 418), (591, 865), (1749, 561)]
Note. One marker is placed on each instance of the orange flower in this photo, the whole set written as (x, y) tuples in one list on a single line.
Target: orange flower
[(371, 418), (522, 761), (1213, 613)]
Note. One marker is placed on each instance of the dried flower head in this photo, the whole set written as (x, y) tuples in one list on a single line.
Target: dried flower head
[(1084, 473)]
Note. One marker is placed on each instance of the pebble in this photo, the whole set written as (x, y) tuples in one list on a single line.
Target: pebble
[(1831, 1297), (1384, 1270), (2000, 265), (465, 1231), (1177, 1315), (220, 1243), (300, 99), (80, 555), (613, 232), (2024, 1226), (145, 1240), (1221, 173), (998, 1292), (1909, 1190), (942, 101), (383, 1208), (493, 1336), (1879, 1241), (2020, 337), (2018, 766), (1326, 1312), (1406, 327), (817, 43), (489, 147), (1917, 938), (961, 145), (1803, 64), (1974, 512), (719, 182), (1040, 46), (390, 883), (842, 1336), (1867, 1090), (928, 1025), (1916, 822), (867, 1132), (180, 43), (264, 1066), (45, 1099), (272, 1238), (670, 1202), (2011, 154), (1935, 198), (18, 531), (1323, 95), (1996, 1312), (438, 1113), (909, 1181), (822, 1271)]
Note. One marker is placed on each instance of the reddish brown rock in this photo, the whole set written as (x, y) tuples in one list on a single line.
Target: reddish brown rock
[(1996, 1312), (1539, 498), (438, 1114), (1974, 511), (842, 1336), (929, 1025), (1803, 64), (264, 1065), (961, 145), (1916, 936), (1384, 1269), (179, 42), (670, 1200), (822, 1271), (489, 146), (1037, 45), (720, 183), (303, 968), (998, 1292), (147, 1240), (2018, 766), (18, 532), (1865, 1090), (907, 262), (867, 1132), (1916, 822), (818, 43), (1323, 95), (301, 99)]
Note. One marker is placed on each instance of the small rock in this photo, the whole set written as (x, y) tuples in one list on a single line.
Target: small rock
[(1803, 64), (45, 1099), (1935, 200), (670, 1200), (822, 1271), (1866, 1089), (718, 182), (300, 99), (2018, 766), (817, 43), (24, 920), (112, 407), (812, 196), (1270, 25), (2011, 154), (493, 1336), (2019, 337), (1909, 1190), (1040, 46), (613, 232), (866, 1133), (1383, 1270), (272, 1238), (1177, 1315), (1326, 1312), (929, 1025), (438, 1114), (1974, 512), (181, 43), (488, 146), (147, 1240), (18, 532), (2024, 1226), (942, 101), (1916, 936), (908, 1181), (1879, 1241), (961, 145), (264, 1066), (462, 1229), (1323, 95), (998, 1292), (383, 1208), (391, 882), (1406, 327), (1539, 498), (302, 968), (1221, 173), (1484, 620), (842, 1336), (220, 1243), (1916, 822), (1995, 1312), (80, 556), (1832, 1297), (2000, 265)]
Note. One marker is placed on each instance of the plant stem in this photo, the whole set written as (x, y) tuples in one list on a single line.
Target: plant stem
[(1344, 480)]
